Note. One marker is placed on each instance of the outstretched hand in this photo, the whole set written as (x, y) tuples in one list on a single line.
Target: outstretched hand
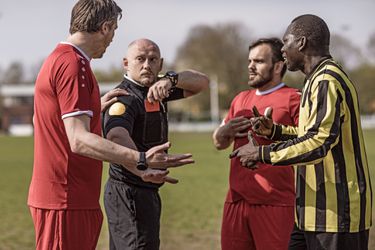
[(111, 97), (157, 158), (157, 176), (262, 125)]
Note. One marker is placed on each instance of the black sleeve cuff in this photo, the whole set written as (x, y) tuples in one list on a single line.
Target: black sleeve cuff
[(175, 94), (276, 132), (264, 154)]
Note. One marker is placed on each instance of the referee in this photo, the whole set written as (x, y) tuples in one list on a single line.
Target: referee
[(139, 121), (333, 189)]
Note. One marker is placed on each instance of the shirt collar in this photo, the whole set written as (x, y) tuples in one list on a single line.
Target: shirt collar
[(136, 83), (79, 49), (266, 92), (318, 66)]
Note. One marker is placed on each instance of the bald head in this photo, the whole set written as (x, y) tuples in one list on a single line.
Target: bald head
[(143, 43), (143, 61)]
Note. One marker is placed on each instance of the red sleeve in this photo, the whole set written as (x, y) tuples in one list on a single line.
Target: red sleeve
[(294, 103), (73, 85), (231, 111)]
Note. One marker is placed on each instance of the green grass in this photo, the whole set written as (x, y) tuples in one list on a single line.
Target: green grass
[(16, 161), (192, 209)]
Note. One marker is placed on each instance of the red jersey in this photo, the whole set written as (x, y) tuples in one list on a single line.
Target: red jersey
[(64, 87), (267, 185)]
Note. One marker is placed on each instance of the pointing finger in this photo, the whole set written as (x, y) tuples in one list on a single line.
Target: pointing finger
[(233, 154), (170, 180)]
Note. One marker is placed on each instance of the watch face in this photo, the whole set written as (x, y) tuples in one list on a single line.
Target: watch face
[(141, 167), (171, 74), (173, 77)]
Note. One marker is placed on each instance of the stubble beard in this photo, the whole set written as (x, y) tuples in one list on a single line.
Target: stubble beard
[(262, 80), (148, 82)]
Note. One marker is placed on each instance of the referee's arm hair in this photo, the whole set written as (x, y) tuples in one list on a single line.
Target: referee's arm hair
[(192, 82)]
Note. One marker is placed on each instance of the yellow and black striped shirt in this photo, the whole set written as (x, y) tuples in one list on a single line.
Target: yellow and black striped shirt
[(333, 189)]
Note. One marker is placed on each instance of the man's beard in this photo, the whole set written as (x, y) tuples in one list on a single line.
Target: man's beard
[(148, 82), (261, 80)]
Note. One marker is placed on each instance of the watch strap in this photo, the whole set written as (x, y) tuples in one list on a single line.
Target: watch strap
[(173, 77), (142, 162)]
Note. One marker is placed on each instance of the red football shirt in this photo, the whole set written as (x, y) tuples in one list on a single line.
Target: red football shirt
[(65, 87), (268, 185)]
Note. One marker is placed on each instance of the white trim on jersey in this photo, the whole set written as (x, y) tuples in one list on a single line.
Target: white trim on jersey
[(279, 86), (79, 49), (77, 113)]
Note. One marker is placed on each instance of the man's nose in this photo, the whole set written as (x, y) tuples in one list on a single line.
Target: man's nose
[(283, 49), (251, 65), (146, 63)]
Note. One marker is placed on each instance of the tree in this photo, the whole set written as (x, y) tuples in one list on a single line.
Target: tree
[(14, 74), (363, 77), (371, 48), (344, 52), (114, 74), (221, 52)]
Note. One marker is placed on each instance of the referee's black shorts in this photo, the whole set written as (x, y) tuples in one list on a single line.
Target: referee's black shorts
[(303, 240), (133, 215)]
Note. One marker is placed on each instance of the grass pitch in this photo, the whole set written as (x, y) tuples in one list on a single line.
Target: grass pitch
[(192, 209)]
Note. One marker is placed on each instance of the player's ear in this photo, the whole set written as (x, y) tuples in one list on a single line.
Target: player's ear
[(302, 43), (161, 64), (105, 27), (125, 63), (279, 67)]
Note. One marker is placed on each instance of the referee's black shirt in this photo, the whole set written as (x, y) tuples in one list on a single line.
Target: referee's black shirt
[(147, 125)]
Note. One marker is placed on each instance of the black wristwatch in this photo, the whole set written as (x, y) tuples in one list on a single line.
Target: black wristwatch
[(142, 163), (173, 77)]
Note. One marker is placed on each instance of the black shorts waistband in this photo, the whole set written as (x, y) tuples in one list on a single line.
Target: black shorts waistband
[(130, 183)]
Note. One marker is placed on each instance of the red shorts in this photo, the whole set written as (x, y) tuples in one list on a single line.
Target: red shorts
[(66, 229), (261, 227)]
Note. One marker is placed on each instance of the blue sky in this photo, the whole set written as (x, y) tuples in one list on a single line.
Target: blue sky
[(32, 28)]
